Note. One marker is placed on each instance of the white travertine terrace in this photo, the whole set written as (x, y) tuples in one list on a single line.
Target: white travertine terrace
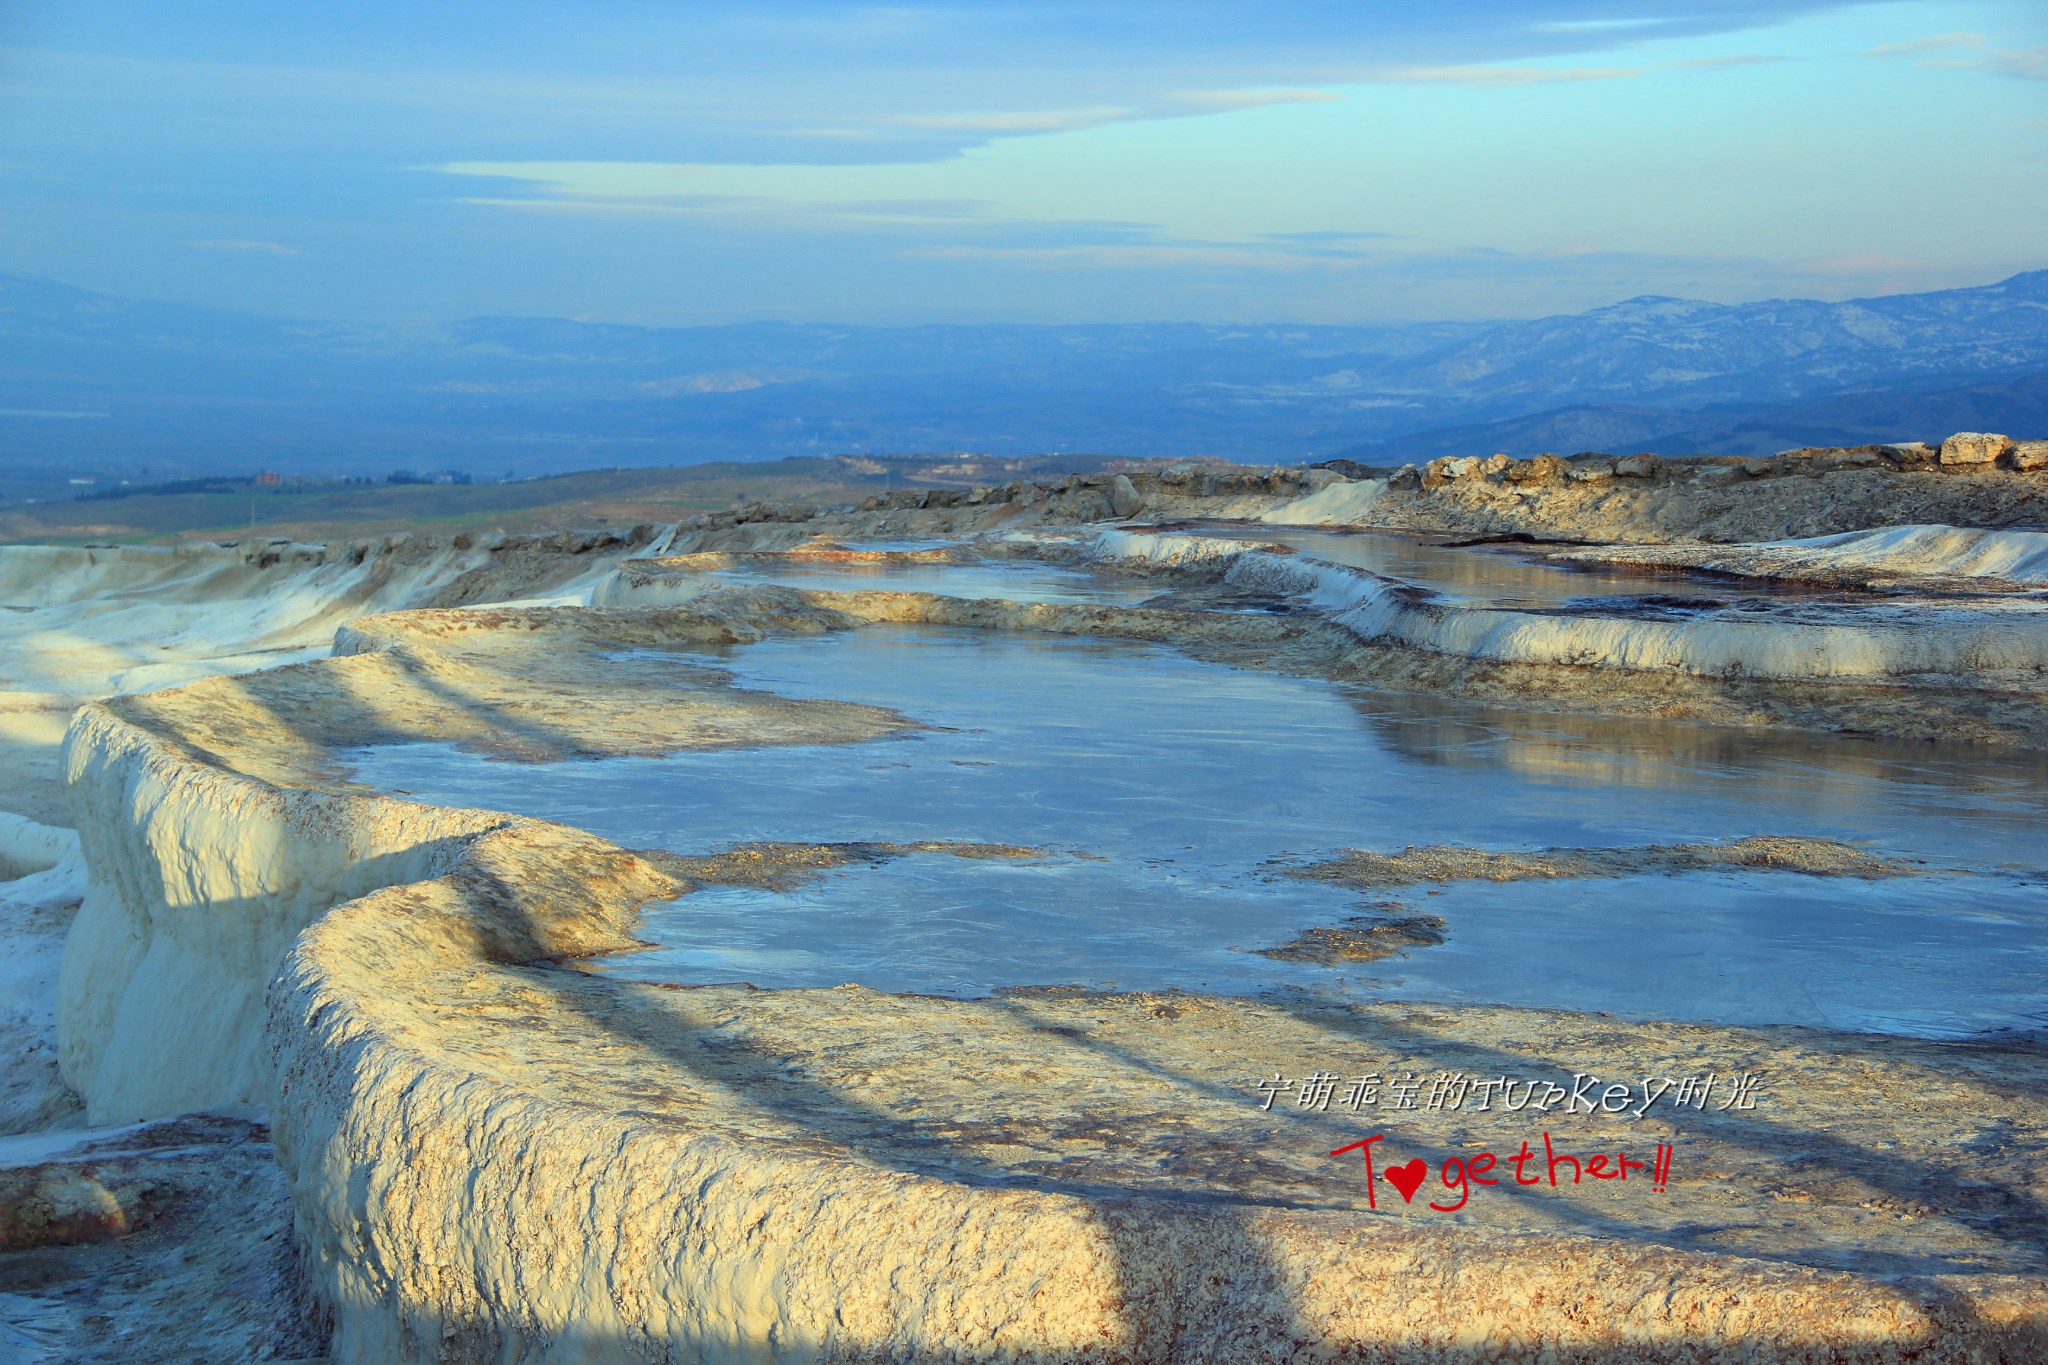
[(495, 1157), (1343, 503), (201, 879), (116, 619), (1978, 647), (1963, 555), (27, 848), (472, 1181), (1934, 551)]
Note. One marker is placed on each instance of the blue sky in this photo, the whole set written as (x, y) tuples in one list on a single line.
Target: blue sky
[(714, 162)]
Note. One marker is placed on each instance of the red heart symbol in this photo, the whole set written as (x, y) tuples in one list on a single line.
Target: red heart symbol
[(1408, 1179)]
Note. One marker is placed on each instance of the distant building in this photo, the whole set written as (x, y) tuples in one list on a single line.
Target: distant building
[(268, 478)]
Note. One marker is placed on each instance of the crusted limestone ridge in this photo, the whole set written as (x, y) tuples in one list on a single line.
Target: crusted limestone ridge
[(1445, 862)]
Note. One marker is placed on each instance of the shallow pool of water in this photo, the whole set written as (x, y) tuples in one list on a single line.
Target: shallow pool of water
[(1164, 790), (1018, 580)]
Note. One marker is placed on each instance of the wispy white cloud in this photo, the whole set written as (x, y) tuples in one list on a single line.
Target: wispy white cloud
[(1019, 121), (1505, 77), (2030, 63), (1225, 101), (1113, 256), (1934, 43), (2027, 63), (1601, 25), (229, 244), (817, 213), (1034, 122)]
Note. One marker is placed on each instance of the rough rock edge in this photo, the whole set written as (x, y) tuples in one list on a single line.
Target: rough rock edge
[(1638, 498), (1362, 938), (1450, 862), (784, 866)]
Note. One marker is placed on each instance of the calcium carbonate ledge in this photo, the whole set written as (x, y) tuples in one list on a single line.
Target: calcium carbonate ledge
[(448, 1213), (456, 1201), (1920, 645)]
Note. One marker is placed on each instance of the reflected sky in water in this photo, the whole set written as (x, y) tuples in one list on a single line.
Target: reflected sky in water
[(1017, 580), (1166, 788)]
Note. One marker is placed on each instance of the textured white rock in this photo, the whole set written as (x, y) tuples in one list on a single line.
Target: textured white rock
[(1986, 649), (1945, 557), (102, 621), (200, 880), (1344, 503), (27, 847), (42, 877), (1934, 551), (1974, 447), (448, 1211), (450, 1208)]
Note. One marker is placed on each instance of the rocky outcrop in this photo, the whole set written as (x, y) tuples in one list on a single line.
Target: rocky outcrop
[(166, 1242), (54, 1205), (1124, 499), (1591, 498), (1975, 447), (1972, 480)]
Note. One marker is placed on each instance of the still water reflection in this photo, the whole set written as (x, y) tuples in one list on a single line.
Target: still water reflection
[(1163, 788)]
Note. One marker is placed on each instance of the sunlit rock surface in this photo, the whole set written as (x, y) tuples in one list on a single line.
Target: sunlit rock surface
[(494, 1153)]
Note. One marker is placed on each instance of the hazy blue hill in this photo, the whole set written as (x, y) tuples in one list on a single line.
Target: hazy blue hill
[(1651, 350), (1162, 352), (2019, 405), (47, 312), (143, 389)]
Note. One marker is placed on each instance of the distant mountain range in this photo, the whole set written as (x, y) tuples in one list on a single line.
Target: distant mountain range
[(1859, 418), (151, 390)]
